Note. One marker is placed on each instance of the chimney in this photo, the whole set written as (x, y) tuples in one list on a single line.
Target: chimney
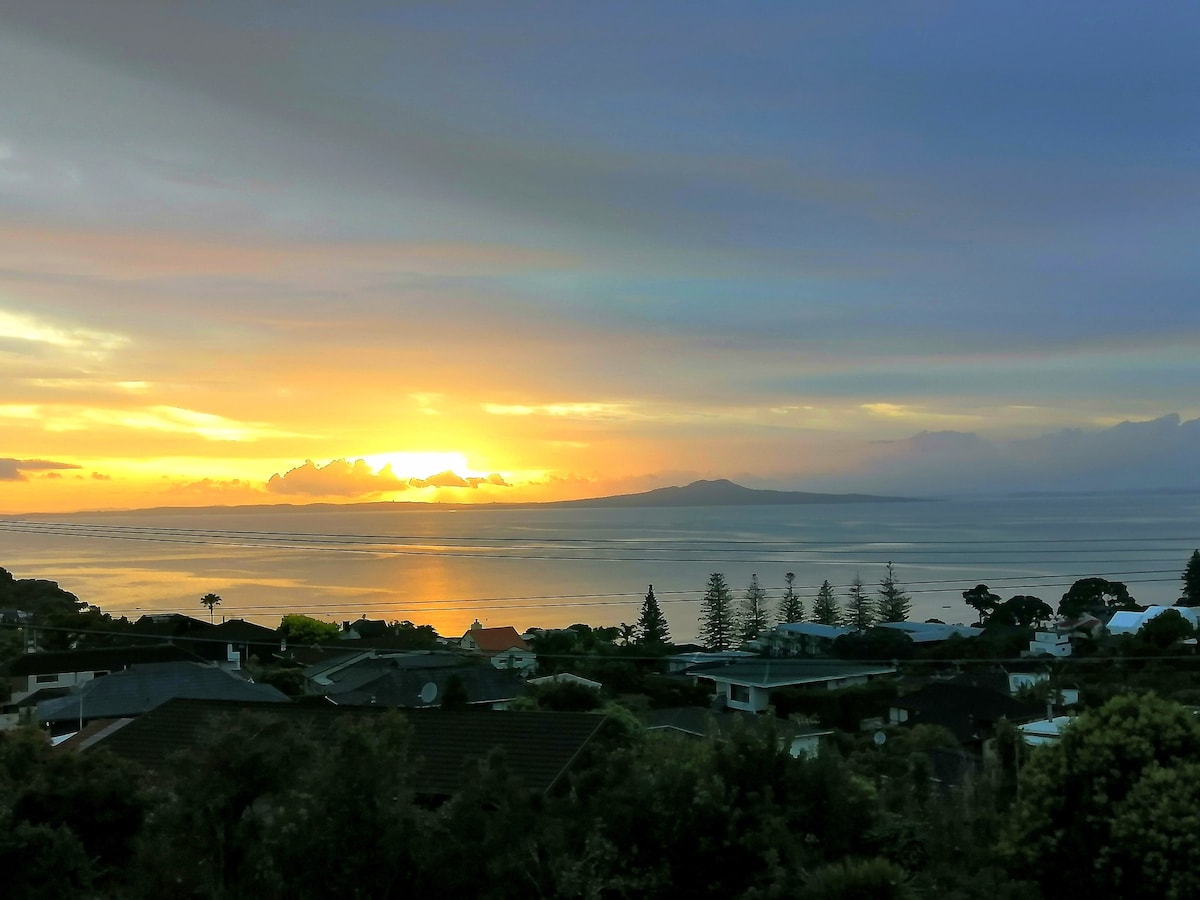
[(476, 624)]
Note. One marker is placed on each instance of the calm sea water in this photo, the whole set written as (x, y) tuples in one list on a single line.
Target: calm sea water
[(553, 567)]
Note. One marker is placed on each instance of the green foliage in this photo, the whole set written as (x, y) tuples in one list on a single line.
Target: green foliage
[(791, 607), (1095, 596), (981, 599), (1073, 795), (1191, 581), (754, 617), (409, 636), (63, 816), (210, 602), (894, 604), (851, 879), (652, 630), (1166, 630), (716, 614), (565, 696), (1022, 611), (843, 709), (454, 693), (300, 629), (885, 644), (860, 611), (825, 609)]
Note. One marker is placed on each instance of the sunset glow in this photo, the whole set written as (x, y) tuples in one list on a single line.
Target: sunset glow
[(900, 249)]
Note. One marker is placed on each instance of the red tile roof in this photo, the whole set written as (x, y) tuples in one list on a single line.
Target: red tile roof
[(496, 640)]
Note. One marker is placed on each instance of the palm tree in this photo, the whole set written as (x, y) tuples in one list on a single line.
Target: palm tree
[(211, 601)]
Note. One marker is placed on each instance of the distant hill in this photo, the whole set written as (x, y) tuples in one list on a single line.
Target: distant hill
[(722, 492)]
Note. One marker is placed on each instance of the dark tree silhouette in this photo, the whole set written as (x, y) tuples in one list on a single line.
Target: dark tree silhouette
[(791, 607), (754, 610), (894, 604), (825, 607), (716, 614), (211, 601), (652, 630)]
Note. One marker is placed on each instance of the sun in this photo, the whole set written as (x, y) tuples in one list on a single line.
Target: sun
[(420, 464)]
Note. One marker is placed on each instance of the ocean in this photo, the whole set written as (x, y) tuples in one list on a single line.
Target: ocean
[(551, 567)]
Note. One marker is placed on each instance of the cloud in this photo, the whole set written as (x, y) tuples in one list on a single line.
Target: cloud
[(1132, 455), (17, 329), (167, 419), (339, 478), (16, 469), (596, 410), (450, 479), (100, 476)]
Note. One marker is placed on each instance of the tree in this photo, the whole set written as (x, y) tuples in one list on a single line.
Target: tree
[(894, 604), (1022, 611), (859, 613), (1095, 596), (652, 627), (1166, 629), (306, 630), (754, 610), (983, 601), (1074, 796), (791, 607), (1191, 581), (716, 614), (211, 601), (825, 607)]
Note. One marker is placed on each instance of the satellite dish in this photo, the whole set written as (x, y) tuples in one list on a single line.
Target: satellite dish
[(880, 738), (428, 693)]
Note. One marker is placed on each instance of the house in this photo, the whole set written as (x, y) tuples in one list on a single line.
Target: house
[(804, 638), (364, 628), (695, 721), (345, 671), (1044, 731), (683, 661), (503, 646), (566, 678), (34, 677), (539, 747), (748, 684), (1130, 622), (140, 688), (246, 640), (932, 632), (416, 688)]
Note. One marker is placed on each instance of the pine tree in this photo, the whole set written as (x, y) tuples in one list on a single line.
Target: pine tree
[(894, 604), (860, 611), (716, 614), (754, 619), (825, 607), (791, 607), (1191, 581), (652, 630)]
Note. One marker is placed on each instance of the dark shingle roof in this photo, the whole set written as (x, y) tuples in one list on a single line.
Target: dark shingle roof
[(538, 747), (782, 672), (412, 688), (142, 688), (107, 659), (699, 721)]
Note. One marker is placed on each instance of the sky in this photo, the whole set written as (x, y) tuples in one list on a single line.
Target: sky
[(258, 252)]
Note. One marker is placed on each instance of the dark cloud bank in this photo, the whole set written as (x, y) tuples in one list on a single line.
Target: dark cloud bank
[(343, 478)]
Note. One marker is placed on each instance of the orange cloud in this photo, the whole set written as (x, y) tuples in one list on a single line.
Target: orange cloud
[(450, 479), (16, 469), (339, 478)]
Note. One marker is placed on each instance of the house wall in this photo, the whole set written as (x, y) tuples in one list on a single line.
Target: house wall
[(518, 660), (806, 747), (22, 687)]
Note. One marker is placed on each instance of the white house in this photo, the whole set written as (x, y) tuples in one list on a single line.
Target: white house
[(748, 685)]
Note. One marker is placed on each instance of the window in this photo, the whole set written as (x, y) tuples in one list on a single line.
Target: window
[(739, 693), (45, 679)]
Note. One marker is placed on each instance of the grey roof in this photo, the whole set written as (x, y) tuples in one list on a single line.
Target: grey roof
[(814, 629), (365, 671), (701, 721), (539, 747), (107, 659), (142, 688), (784, 672), (415, 688), (931, 632)]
